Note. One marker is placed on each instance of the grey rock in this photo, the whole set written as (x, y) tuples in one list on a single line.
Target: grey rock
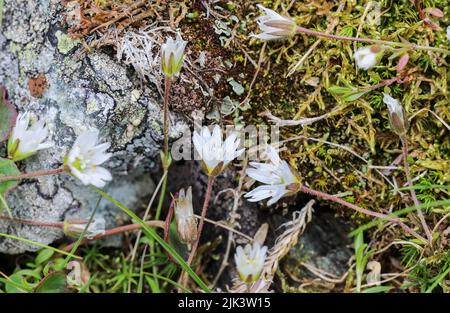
[(84, 91)]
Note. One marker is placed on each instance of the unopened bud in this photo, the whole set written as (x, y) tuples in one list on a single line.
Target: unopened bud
[(172, 56), (184, 216), (274, 25), (75, 228), (397, 115), (368, 57)]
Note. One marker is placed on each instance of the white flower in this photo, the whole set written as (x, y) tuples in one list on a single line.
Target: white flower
[(274, 25), (184, 216), (215, 154), (448, 32), (172, 55), (366, 57), (250, 261), (277, 176), (74, 228), (397, 115), (26, 140), (83, 159)]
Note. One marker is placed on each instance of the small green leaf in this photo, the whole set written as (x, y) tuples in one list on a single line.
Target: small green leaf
[(8, 115), (353, 96), (43, 255), (377, 289), (7, 168), (53, 283), (338, 90)]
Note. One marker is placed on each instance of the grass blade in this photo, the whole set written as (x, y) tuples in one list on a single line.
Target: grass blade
[(40, 245), (152, 234)]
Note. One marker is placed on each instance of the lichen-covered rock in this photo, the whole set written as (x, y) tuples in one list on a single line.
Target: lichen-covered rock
[(83, 91)]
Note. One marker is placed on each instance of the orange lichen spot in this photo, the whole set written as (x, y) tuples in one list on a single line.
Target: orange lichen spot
[(37, 85)]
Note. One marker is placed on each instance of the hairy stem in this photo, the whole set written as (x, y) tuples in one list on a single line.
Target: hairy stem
[(32, 175), (306, 31), (118, 230), (413, 192), (33, 223), (169, 219), (167, 84), (386, 82), (335, 199)]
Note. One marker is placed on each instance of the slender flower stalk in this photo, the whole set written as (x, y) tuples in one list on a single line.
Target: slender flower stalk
[(404, 140), (32, 222), (26, 140), (167, 85), (32, 175), (211, 179), (106, 233), (335, 199), (215, 156), (302, 30), (275, 26), (172, 58), (280, 180), (117, 230), (399, 125)]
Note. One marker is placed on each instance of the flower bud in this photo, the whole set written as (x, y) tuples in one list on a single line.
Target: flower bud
[(368, 57), (75, 228), (172, 55), (274, 26), (184, 216), (448, 32), (250, 262), (397, 115)]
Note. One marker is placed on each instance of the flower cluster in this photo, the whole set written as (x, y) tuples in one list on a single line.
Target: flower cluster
[(82, 161)]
